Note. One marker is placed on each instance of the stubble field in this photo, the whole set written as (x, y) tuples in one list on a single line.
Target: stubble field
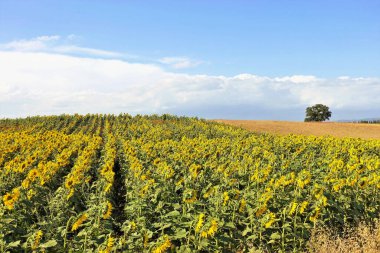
[(355, 130)]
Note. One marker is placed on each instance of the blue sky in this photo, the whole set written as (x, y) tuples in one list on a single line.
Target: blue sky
[(327, 40)]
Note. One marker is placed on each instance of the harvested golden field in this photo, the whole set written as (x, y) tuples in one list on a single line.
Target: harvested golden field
[(366, 131)]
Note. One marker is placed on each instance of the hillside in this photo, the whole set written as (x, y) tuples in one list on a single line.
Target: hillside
[(337, 129)]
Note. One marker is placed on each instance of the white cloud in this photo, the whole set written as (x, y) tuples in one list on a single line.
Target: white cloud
[(86, 51), (35, 81), (180, 62), (48, 38), (297, 79), (35, 44), (56, 44)]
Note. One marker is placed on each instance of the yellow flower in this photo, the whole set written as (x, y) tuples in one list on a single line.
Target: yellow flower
[(33, 174), (324, 200), (144, 190), (200, 222), (37, 239), (303, 206), (211, 231), (133, 226), (109, 211), (16, 193), (9, 199), (79, 222), (71, 193), (179, 182), (108, 187), (194, 169), (225, 198), (110, 243), (164, 246), (213, 228), (304, 178), (156, 161), (363, 182), (314, 217), (293, 208), (271, 220), (25, 183), (69, 182)]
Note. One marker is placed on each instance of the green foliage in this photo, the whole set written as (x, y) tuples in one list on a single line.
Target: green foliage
[(317, 112)]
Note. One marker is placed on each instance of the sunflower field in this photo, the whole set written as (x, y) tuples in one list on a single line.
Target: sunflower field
[(106, 183)]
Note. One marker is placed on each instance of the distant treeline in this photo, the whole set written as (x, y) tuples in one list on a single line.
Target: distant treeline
[(370, 121), (365, 121)]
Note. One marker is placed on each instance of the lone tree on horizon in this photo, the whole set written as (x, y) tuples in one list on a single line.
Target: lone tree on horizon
[(317, 112)]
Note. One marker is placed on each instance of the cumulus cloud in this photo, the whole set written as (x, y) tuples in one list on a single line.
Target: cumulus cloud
[(45, 82), (297, 79), (179, 62)]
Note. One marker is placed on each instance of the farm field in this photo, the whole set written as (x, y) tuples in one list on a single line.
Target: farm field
[(356, 130), (105, 183)]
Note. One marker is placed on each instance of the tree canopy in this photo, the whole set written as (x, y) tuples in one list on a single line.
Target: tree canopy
[(318, 112)]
